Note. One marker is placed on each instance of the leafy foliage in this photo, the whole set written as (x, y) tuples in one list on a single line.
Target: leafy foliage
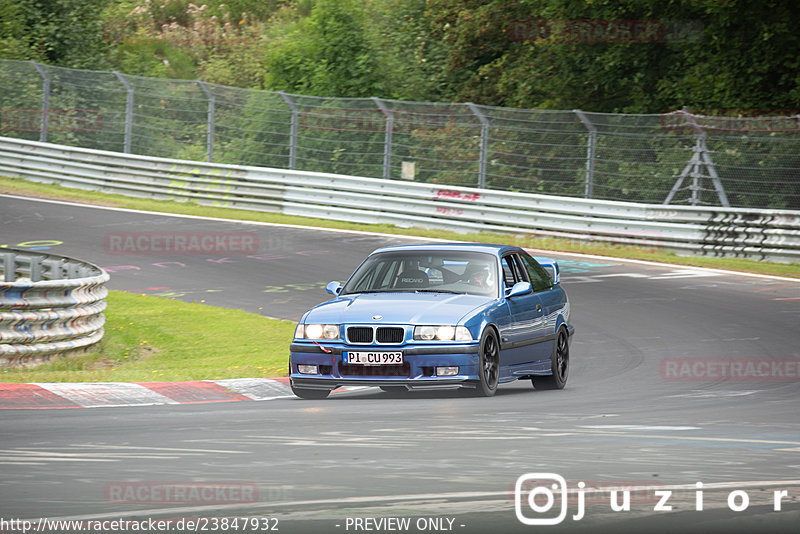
[(59, 32), (328, 54), (710, 56)]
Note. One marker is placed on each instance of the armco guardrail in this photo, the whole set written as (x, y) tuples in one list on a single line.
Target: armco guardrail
[(49, 305), (761, 234)]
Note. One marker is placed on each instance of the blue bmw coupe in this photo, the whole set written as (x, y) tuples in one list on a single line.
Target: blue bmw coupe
[(437, 315)]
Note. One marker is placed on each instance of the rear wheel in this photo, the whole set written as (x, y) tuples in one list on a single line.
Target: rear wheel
[(560, 364), (311, 394), (489, 364)]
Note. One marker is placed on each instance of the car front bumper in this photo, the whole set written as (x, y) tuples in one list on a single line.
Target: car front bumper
[(417, 371)]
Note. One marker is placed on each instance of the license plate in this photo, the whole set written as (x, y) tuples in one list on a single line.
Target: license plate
[(374, 358)]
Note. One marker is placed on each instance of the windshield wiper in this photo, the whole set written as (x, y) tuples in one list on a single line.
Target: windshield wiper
[(409, 290), (377, 291)]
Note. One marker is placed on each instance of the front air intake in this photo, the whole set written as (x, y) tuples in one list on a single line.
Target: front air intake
[(359, 334), (389, 334)]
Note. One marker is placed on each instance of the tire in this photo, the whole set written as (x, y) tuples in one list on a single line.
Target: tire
[(560, 364), (311, 394), (488, 364)]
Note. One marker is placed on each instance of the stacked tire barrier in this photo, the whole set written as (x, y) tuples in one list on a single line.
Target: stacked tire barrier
[(49, 305), (700, 230)]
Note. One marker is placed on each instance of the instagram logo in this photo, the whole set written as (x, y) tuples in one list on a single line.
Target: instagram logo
[(537, 491)]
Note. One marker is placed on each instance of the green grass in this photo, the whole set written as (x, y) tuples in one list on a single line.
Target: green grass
[(23, 187), (152, 339)]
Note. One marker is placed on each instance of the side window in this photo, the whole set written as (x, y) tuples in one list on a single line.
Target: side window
[(511, 273), (539, 277)]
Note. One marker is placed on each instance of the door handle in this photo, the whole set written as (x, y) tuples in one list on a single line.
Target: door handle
[(538, 307)]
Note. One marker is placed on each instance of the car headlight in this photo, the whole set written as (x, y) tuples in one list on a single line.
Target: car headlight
[(442, 333), (317, 331)]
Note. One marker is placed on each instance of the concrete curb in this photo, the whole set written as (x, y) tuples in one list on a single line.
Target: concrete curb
[(63, 395)]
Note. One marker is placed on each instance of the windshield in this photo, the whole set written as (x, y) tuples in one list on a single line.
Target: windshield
[(471, 273)]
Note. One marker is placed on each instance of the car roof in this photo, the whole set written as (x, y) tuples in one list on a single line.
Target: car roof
[(486, 248)]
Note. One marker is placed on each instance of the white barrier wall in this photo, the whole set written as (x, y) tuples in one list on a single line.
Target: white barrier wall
[(752, 233)]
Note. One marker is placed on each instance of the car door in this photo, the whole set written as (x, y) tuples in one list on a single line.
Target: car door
[(552, 298), (525, 317)]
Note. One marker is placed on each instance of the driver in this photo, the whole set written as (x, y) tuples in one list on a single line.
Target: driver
[(477, 274)]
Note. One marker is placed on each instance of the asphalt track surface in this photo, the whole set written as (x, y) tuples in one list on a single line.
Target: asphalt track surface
[(623, 420)]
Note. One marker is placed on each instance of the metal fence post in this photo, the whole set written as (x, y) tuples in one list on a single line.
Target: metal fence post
[(591, 149), (9, 266), (128, 111), (36, 268), (212, 101), (387, 140), (45, 101), (293, 132), (484, 143)]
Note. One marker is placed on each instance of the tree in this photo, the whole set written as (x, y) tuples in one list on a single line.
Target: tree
[(328, 54), (708, 55), (58, 32)]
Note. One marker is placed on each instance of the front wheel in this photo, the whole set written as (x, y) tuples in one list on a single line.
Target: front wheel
[(311, 394), (559, 361), (488, 365)]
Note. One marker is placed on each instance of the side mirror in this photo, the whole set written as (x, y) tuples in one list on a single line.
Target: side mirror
[(520, 288), (334, 288)]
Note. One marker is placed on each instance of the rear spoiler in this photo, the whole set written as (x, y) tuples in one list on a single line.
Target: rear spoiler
[(552, 267)]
